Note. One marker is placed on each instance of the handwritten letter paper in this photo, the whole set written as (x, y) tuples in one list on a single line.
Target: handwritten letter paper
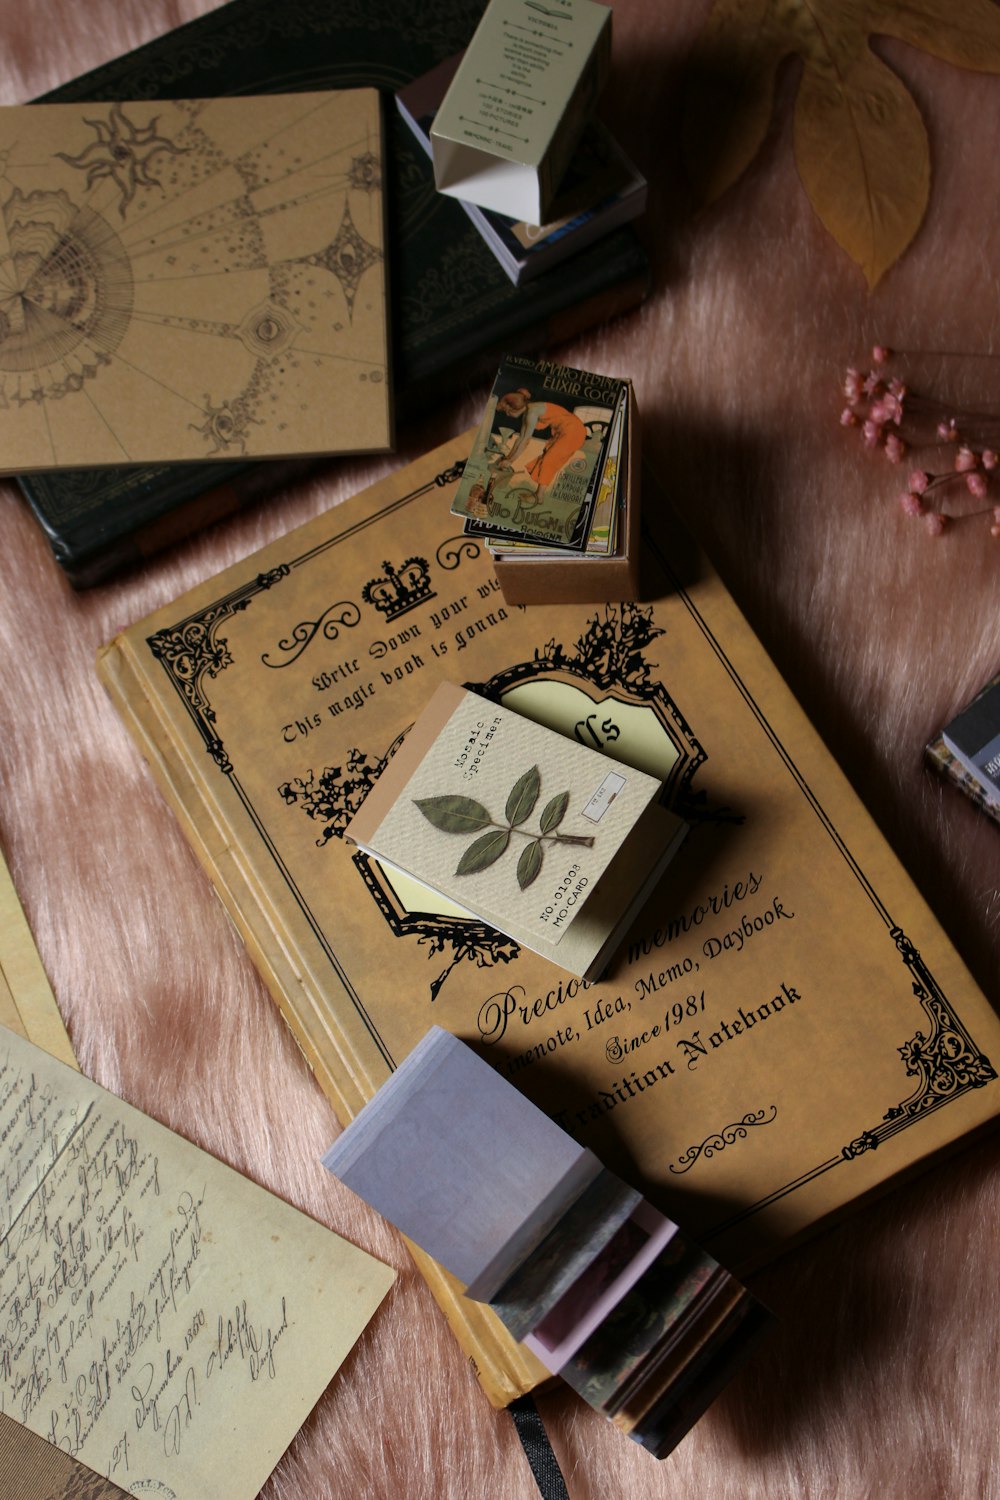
[(162, 1319)]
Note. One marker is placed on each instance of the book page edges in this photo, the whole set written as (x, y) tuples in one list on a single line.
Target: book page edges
[(504, 1368)]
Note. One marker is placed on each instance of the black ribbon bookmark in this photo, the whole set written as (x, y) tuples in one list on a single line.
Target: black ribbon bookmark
[(538, 1449)]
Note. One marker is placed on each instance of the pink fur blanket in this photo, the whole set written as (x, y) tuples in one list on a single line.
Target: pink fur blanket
[(881, 1378)]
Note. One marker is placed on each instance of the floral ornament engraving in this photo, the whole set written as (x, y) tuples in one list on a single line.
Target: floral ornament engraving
[(193, 651), (455, 550), (122, 152), (345, 613), (477, 941), (720, 1139), (611, 651), (944, 1060), (333, 798), (450, 476), (335, 795), (454, 813)]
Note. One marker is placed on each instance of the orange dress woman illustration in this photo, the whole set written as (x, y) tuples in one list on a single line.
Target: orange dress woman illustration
[(566, 434)]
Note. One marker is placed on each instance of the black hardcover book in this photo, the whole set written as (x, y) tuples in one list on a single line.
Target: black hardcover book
[(454, 313)]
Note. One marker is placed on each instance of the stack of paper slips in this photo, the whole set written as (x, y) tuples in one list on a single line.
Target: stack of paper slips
[(604, 1289)]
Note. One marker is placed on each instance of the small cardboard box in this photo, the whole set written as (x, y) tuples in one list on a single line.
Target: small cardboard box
[(572, 577), (515, 110)]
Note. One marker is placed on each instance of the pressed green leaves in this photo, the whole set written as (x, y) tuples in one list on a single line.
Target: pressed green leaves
[(553, 812), (457, 814), (484, 852), (523, 796), (860, 144), (529, 863)]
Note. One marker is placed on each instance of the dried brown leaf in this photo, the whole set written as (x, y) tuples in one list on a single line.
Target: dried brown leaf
[(730, 93), (860, 144), (862, 153)]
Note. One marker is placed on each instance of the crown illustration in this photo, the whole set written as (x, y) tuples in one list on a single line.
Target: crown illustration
[(401, 589)]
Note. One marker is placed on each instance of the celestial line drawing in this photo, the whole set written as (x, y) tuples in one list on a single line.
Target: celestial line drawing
[(66, 295), (225, 426), (122, 152), (347, 256), (364, 173), (176, 280)]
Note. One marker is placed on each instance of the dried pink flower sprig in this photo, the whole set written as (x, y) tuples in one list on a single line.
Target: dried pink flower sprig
[(897, 421)]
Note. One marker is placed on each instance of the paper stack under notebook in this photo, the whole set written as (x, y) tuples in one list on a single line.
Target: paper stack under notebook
[(603, 1288)]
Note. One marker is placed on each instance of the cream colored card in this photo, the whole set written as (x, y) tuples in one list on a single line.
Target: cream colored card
[(192, 280), (27, 1004), (514, 822), (514, 111), (162, 1319)]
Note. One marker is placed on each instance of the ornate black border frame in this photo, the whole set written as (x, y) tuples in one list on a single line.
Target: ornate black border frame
[(944, 1059)]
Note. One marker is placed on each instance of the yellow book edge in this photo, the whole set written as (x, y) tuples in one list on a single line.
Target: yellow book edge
[(504, 1368)]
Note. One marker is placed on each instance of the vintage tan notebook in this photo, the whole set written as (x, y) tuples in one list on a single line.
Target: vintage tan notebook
[(786, 1027), (519, 827), (196, 279)]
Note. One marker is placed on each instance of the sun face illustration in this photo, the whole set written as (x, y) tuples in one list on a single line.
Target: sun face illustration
[(122, 151)]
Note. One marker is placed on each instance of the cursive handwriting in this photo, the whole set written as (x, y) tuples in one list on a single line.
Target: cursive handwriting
[(252, 1343), (151, 1297), (95, 1290)]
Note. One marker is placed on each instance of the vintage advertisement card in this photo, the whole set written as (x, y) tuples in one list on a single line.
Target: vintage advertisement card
[(162, 1319), (536, 463), (189, 280), (516, 824)]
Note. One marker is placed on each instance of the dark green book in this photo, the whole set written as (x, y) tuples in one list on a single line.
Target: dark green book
[(454, 313)]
